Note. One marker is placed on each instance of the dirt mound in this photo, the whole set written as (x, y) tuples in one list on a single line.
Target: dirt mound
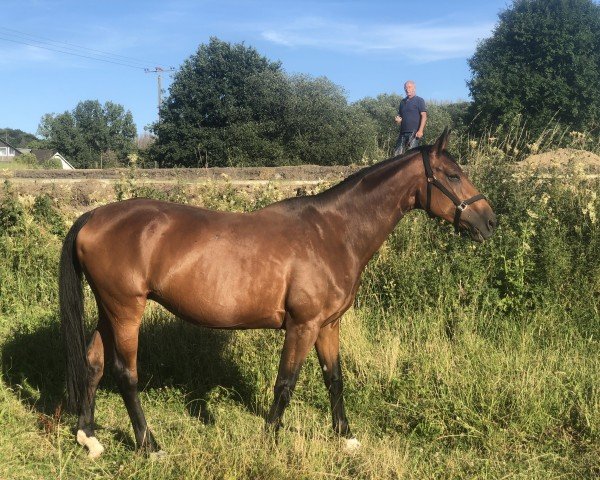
[(563, 158)]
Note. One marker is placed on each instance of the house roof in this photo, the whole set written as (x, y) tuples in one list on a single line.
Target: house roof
[(4, 142), (43, 155)]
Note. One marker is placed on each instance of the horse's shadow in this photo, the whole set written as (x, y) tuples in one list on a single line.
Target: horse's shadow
[(171, 354)]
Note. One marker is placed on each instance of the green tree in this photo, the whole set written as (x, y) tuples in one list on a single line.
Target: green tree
[(321, 128), (90, 132), (17, 138), (215, 89), (382, 110), (542, 62), (230, 106)]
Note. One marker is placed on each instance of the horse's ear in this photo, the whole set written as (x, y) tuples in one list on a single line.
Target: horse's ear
[(442, 142)]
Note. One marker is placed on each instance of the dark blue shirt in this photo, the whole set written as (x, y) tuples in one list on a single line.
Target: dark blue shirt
[(410, 110)]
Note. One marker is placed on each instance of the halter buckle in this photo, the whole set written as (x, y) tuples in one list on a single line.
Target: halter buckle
[(462, 206)]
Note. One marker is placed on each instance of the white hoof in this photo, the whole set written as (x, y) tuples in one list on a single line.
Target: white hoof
[(351, 445), (81, 437), (158, 456), (94, 447)]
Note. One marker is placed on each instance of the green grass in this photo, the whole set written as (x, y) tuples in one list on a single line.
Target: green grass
[(460, 360), (423, 406), (14, 166)]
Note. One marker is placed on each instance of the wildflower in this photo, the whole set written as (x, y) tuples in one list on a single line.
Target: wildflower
[(590, 209), (533, 147), (578, 170), (473, 144)]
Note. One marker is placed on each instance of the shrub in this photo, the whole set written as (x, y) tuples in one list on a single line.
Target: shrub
[(52, 164), (11, 211), (48, 215), (28, 159)]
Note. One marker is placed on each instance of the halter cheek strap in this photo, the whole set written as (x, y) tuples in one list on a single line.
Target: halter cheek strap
[(433, 181)]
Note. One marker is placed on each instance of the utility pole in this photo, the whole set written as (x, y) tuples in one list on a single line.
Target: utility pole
[(159, 71)]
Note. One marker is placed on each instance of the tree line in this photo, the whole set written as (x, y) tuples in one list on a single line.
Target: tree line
[(228, 105)]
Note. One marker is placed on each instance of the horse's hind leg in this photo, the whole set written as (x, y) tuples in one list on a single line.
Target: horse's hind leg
[(95, 355), (328, 351), (126, 331)]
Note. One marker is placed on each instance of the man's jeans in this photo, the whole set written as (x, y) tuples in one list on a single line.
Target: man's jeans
[(406, 141)]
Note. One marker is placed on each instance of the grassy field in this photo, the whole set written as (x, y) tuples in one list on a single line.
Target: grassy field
[(460, 360), (13, 166)]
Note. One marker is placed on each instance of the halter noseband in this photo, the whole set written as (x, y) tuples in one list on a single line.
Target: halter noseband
[(432, 180)]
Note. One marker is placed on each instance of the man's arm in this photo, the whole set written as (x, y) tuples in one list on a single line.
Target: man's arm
[(398, 117), (422, 122)]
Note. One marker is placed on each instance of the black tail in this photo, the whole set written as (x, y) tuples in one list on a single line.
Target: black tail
[(71, 315)]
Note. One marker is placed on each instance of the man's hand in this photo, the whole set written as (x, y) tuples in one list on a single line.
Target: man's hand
[(419, 134), (398, 119)]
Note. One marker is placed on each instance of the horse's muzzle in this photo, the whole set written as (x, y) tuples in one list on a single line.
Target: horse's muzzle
[(480, 226)]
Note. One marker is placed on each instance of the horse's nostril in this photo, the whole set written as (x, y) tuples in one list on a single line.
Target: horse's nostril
[(492, 223)]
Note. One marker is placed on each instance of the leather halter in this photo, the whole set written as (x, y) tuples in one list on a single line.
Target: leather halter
[(432, 180)]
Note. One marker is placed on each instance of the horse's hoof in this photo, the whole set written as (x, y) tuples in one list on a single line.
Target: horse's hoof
[(351, 445), (81, 437), (158, 456), (95, 448)]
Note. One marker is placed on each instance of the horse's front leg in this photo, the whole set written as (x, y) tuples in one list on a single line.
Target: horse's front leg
[(299, 339), (328, 351)]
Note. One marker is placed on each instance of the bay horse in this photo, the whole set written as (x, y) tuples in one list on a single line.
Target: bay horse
[(293, 265)]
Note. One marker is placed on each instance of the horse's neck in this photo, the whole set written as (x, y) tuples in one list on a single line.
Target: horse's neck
[(372, 206)]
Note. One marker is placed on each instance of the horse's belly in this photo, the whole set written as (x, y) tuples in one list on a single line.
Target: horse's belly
[(215, 317), (238, 322), (226, 309), (240, 289)]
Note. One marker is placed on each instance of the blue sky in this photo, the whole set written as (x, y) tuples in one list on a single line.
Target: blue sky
[(366, 47)]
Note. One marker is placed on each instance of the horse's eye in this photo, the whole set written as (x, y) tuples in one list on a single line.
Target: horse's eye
[(453, 178)]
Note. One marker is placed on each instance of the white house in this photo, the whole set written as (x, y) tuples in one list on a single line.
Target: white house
[(7, 151), (8, 154)]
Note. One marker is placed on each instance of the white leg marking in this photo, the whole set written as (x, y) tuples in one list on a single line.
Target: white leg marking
[(81, 437), (351, 445), (93, 445)]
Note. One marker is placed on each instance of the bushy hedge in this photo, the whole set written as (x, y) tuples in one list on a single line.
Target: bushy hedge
[(545, 254)]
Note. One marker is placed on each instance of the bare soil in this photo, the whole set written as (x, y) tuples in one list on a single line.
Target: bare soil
[(84, 188), (563, 158), (90, 187)]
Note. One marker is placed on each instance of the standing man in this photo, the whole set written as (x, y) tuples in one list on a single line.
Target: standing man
[(412, 117)]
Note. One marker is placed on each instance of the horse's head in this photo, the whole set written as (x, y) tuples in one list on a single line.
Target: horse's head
[(447, 193)]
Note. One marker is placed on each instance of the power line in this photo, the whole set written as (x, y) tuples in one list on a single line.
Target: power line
[(70, 46), (98, 55), (74, 54)]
